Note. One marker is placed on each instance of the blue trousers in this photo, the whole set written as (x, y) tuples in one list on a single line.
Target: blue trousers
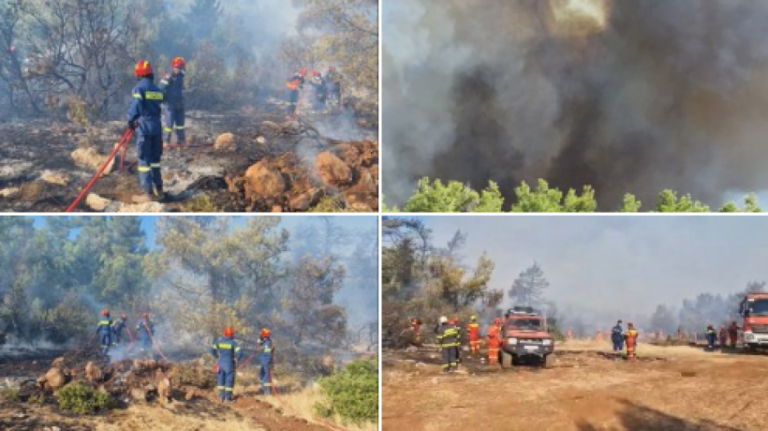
[(150, 151), (106, 340), (292, 96), (225, 381), (175, 118), (618, 345), (266, 380)]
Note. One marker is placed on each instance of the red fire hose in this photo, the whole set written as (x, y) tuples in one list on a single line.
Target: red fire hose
[(122, 143)]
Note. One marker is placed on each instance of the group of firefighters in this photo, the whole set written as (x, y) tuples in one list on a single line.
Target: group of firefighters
[(149, 101), (325, 89), (726, 336), (226, 350)]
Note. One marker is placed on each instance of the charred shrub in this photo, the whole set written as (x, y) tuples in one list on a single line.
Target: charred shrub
[(353, 393), (82, 399), (192, 375)]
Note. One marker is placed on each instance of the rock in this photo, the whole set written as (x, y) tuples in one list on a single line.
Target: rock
[(367, 184), (262, 181), (93, 373), (411, 349), (55, 178), (261, 140), (139, 394), (10, 192), (332, 170), (150, 207), (89, 157), (225, 142), (96, 202)]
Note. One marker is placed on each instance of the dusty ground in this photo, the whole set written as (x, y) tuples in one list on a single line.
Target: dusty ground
[(668, 388), (38, 174)]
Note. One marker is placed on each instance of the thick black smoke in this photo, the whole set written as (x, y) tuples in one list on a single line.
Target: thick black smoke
[(660, 94)]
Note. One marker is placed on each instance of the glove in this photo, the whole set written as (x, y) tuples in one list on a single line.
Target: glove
[(132, 125)]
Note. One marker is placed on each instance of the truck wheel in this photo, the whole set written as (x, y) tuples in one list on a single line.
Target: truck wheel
[(506, 360), (549, 361)]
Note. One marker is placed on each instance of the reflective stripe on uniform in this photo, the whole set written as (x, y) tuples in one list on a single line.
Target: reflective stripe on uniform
[(155, 165), (225, 346), (221, 388), (267, 350), (144, 169), (167, 129), (179, 127), (228, 389), (137, 96), (237, 349), (164, 82), (153, 95), (104, 322)]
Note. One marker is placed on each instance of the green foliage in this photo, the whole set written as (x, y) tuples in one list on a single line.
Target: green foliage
[(353, 394), (545, 199), (750, 206), (200, 204), (668, 202), (454, 197), (528, 288), (38, 399), (11, 395), (386, 209), (82, 399), (631, 204)]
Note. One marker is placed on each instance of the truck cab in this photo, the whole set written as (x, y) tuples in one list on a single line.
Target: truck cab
[(754, 310), (525, 337)]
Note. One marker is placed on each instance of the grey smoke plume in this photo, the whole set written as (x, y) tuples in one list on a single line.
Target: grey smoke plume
[(627, 96)]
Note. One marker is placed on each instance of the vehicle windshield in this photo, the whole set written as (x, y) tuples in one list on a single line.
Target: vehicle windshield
[(524, 324), (758, 307)]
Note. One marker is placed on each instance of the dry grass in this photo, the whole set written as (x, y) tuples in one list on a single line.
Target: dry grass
[(643, 349)]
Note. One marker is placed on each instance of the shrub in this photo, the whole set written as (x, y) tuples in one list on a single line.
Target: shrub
[(353, 393), (37, 399), (10, 394), (82, 399), (192, 375)]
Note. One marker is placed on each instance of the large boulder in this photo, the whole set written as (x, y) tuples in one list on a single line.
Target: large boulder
[(97, 203), (55, 178), (332, 170), (263, 181), (90, 158)]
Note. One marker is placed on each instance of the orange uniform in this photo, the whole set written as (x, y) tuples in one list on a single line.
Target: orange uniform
[(631, 340), (494, 342), (473, 332)]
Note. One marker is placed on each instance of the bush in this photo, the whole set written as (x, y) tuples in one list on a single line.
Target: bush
[(10, 395), (82, 399), (37, 399), (353, 393), (192, 375)]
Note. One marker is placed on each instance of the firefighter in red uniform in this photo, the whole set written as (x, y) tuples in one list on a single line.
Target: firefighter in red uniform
[(416, 329), (473, 332), (493, 340), (733, 333)]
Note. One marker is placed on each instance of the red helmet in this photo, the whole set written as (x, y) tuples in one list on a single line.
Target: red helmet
[(303, 72), (105, 312), (178, 63), (315, 73), (143, 68), (265, 333), (229, 332), (331, 69)]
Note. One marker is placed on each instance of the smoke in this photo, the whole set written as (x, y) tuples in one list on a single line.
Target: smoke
[(626, 96)]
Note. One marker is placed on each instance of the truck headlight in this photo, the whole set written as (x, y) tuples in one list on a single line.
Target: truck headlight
[(546, 343), (749, 336), (512, 341)]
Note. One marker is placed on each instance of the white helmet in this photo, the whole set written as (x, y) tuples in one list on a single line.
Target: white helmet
[(443, 319)]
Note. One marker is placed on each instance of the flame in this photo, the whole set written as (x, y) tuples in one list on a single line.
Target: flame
[(581, 16)]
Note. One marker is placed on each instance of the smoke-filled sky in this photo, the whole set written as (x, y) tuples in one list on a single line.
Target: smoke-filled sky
[(628, 96), (617, 264)]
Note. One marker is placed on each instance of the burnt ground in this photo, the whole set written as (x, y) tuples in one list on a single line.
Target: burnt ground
[(588, 388), (251, 411), (198, 177)]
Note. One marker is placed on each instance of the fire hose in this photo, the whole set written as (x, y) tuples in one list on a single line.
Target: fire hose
[(122, 143), (154, 343)]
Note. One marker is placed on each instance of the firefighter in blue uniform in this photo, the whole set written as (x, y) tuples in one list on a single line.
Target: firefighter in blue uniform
[(617, 337), (144, 116), (118, 327), (294, 84), (267, 356), (105, 332), (173, 96), (711, 337), (145, 330), (228, 353)]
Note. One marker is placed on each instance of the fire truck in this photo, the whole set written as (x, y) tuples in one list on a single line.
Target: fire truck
[(754, 310), (525, 337)]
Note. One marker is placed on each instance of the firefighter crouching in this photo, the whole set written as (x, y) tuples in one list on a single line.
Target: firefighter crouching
[(227, 351), (448, 338)]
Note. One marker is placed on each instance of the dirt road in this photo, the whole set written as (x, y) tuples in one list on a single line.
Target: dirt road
[(669, 388)]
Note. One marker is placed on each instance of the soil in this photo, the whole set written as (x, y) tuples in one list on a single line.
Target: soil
[(667, 388)]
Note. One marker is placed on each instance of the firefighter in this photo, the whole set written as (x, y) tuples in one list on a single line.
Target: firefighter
[(630, 338), (455, 322), (723, 336), (448, 338), (733, 334), (617, 336), (416, 330), (228, 353), (711, 337), (320, 90), (144, 114), (173, 96), (267, 360), (494, 341), (145, 330), (333, 78), (117, 329), (294, 85), (105, 332), (473, 332)]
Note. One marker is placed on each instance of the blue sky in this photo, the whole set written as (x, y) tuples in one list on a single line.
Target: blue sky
[(611, 262)]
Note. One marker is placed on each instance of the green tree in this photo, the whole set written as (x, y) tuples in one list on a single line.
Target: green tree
[(631, 204), (454, 197), (203, 17), (750, 206), (546, 200), (668, 202)]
